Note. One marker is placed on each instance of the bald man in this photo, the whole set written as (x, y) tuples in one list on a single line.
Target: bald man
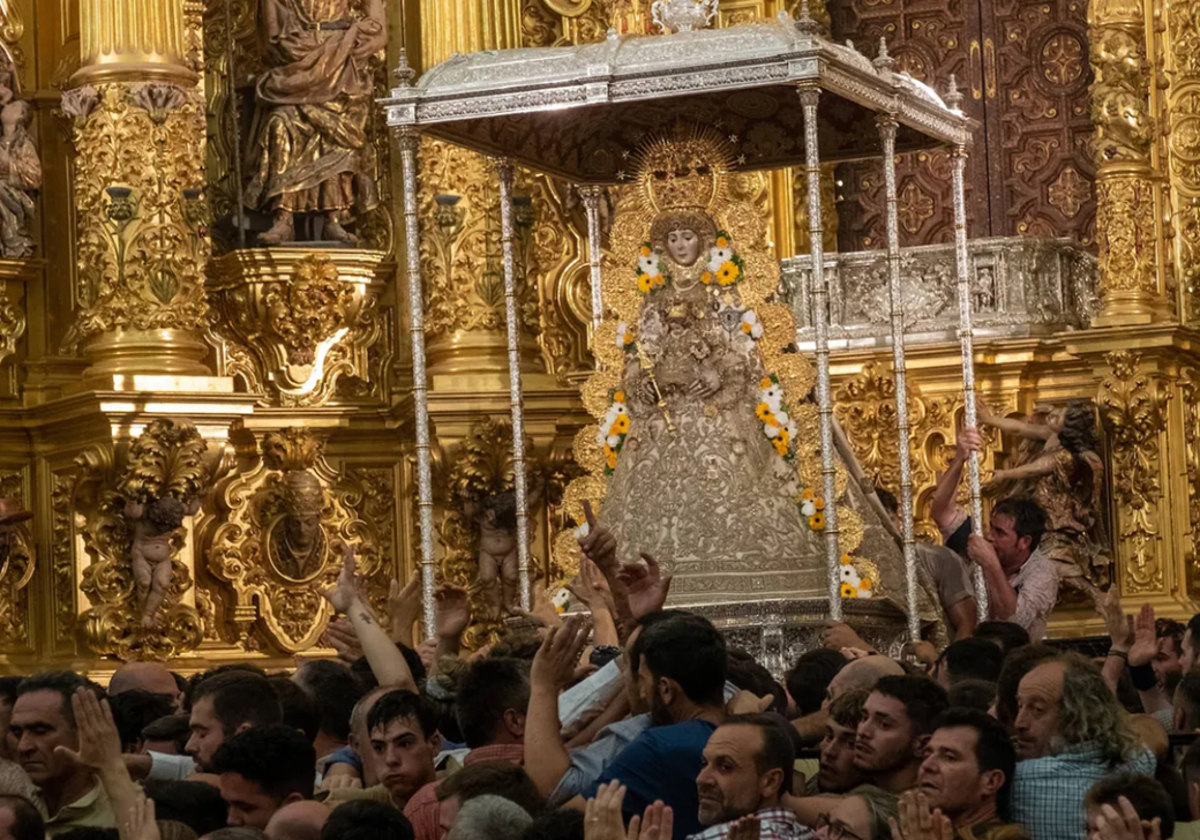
[(147, 676), (862, 674), (298, 821)]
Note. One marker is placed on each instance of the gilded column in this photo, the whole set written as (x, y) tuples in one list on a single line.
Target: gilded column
[(1183, 68), (1128, 227), (139, 137)]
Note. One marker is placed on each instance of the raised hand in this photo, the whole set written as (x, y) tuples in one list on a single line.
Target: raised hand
[(918, 821), (340, 636), (969, 440), (343, 596), (404, 609), (453, 612), (1120, 628), (1145, 638), (648, 586), (1124, 824), (656, 823), (602, 818), (838, 635), (140, 823), (99, 742), (599, 546), (590, 587), (554, 663)]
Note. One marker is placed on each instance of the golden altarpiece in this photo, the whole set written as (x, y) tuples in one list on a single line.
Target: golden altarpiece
[(151, 346)]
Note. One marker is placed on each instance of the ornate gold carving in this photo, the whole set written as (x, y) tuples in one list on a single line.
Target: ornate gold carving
[(306, 319), (140, 241), (1133, 408), (16, 567), (62, 555), (275, 543), (12, 322), (131, 39), (1189, 386), (166, 460), (1069, 192), (1183, 144)]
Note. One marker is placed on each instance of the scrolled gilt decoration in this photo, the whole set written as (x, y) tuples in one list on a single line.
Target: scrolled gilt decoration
[(296, 321), (1189, 387), (168, 460), (1133, 409), (276, 542), (1183, 144), (139, 251), (16, 567), (12, 323)]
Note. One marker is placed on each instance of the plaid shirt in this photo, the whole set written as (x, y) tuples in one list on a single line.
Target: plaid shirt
[(776, 824), (1048, 792), (422, 809)]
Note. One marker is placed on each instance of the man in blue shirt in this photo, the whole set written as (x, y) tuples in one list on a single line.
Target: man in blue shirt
[(681, 676)]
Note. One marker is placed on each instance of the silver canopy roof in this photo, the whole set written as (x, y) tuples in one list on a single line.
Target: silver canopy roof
[(580, 111)]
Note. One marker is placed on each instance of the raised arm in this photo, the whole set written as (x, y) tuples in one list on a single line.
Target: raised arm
[(600, 546), (546, 758), (944, 506), (1043, 465), (385, 659), (1033, 431)]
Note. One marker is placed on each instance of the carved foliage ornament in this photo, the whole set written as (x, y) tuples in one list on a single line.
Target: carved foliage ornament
[(16, 567), (1133, 409)]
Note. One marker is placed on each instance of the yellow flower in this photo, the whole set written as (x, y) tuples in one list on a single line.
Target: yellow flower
[(722, 242), (819, 503), (728, 274), (781, 446), (619, 396), (621, 425), (765, 382), (817, 522), (612, 460), (645, 283), (866, 584), (807, 495), (609, 451), (764, 412), (706, 278), (747, 328), (783, 437), (646, 250), (845, 559), (848, 591), (627, 339), (659, 280)]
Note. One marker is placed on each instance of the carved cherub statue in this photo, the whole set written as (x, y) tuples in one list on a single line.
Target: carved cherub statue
[(498, 572), (154, 524)]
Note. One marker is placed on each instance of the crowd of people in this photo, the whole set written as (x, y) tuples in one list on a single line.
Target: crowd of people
[(630, 721)]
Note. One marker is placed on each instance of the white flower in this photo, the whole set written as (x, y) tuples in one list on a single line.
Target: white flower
[(772, 396), (601, 438), (619, 408), (648, 265), (771, 430), (614, 441), (749, 317), (791, 430), (756, 332), (808, 508), (781, 417), (582, 531), (720, 256), (849, 574)]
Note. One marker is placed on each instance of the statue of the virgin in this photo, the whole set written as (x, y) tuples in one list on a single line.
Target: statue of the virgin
[(707, 437)]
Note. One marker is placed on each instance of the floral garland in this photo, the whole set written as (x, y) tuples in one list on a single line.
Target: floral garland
[(613, 430), (776, 422), (856, 582), (725, 266), (651, 273), (812, 508)]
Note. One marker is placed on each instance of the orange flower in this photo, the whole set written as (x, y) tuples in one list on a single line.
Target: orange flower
[(819, 503), (807, 495), (621, 425), (619, 396), (865, 583), (722, 242), (781, 445), (763, 411), (765, 382), (646, 250), (609, 452), (817, 522), (706, 278), (612, 460)]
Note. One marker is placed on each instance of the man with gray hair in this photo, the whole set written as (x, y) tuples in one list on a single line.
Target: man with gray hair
[(490, 818), (1070, 732)]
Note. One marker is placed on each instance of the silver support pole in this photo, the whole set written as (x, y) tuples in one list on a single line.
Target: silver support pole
[(504, 169), (887, 133), (410, 141), (591, 196), (966, 338), (820, 297)]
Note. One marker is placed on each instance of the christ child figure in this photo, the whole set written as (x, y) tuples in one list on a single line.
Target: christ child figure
[(154, 524)]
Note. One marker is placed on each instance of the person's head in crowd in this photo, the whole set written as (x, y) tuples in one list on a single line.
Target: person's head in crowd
[(969, 766), (364, 819), (404, 741), (968, 659), (632, 657), (360, 736), (240, 832), (746, 674), (168, 734), (1065, 703), (192, 686), (487, 778), (170, 830), (298, 821), (838, 773), (144, 676), (1005, 634), (897, 720), (195, 804), (262, 769), (490, 817), (862, 674), (133, 710), (1148, 798), (1016, 665), (746, 767), (681, 668), (973, 694), (42, 721), (862, 814), (1015, 531), (563, 824), (299, 708), (224, 705), (1186, 711), (1190, 767), (1168, 651), (335, 691), (19, 819), (521, 644), (1189, 655), (491, 702), (808, 680), (8, 697)]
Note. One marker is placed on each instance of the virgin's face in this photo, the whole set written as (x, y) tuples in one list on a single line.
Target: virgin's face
[(684, 246)]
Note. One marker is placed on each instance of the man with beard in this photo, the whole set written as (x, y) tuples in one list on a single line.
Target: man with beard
[(747, 769), (965, 778), (224, 705), (838, 773), (681, 675), (898, 718)]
